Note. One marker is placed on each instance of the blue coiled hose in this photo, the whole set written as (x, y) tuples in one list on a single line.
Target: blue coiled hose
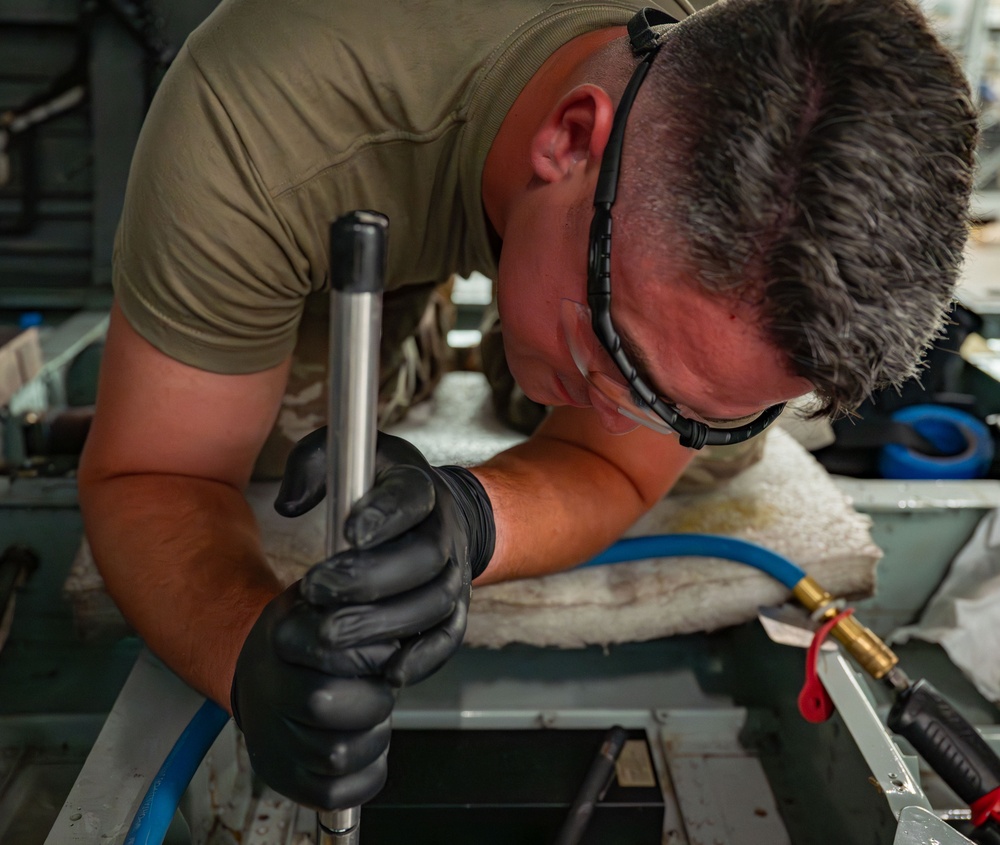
[(160, 803)]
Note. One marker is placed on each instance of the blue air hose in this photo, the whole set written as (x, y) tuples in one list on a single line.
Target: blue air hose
[(160, 804), (702, 545)]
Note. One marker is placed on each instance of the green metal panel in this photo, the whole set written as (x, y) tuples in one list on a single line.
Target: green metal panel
[(45, 668)]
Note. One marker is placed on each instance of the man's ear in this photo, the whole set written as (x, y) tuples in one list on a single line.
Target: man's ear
[(575, 130)]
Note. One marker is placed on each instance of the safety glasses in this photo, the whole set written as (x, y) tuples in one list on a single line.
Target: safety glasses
[(606, 377), (634, 398)]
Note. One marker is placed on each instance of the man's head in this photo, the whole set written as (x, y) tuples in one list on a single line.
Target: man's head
[(812, 159), (791, 211)]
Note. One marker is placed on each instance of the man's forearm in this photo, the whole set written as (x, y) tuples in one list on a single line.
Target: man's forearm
[(181, 557), (560, 497)]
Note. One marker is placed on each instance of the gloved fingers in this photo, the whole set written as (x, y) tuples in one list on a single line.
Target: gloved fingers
[(297, 639), (422, 656), (329, 754), (358, 661), (320, 701), (309, 635), (354, 789), (351, 704), (396, 617), (402, 497), (391, 451), (351, 662), (303, 485), (287, 711), (389, 569), (324, 792)]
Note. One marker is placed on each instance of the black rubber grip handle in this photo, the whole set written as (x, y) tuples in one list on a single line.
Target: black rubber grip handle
[(358, 244), (951, 746)]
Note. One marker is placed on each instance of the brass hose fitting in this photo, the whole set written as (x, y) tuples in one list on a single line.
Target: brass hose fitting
[(875, 657)]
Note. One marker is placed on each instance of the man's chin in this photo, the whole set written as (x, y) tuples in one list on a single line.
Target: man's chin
[(615, 423), (564, 396), (611, 421)]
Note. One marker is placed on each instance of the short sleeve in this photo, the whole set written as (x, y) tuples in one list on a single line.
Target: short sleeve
[(205, 269)]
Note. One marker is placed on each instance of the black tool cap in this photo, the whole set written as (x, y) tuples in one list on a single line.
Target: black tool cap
[(358, 244)]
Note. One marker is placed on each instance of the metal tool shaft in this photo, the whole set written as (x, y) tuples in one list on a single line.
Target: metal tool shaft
[(351, 433), (357, 272)]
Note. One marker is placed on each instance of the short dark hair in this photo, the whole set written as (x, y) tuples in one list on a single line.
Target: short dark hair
[(816, 157)]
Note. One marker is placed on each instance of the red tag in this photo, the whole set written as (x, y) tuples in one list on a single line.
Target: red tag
[(985, 807), (815, 703)]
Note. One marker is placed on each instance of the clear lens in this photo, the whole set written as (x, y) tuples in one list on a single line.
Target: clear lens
[(596, 366)]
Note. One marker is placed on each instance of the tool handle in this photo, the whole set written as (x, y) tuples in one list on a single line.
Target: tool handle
[(951, 746), (358, 243)]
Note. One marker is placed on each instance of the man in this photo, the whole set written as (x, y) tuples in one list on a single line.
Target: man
[(789, 217)]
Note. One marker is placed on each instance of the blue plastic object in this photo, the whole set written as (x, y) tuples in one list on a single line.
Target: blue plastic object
[(965, 438), (702, 545), (159, 805), (28, 319)]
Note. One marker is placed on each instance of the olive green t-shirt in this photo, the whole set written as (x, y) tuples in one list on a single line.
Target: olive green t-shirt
[(278, 117)]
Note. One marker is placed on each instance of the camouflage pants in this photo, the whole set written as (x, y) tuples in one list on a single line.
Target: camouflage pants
[(414, 355)]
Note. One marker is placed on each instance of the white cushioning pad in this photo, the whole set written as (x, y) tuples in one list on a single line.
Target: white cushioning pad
[(786, 502)]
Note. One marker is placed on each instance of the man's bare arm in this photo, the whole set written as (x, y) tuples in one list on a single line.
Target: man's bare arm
[(172, 447), (570, 491), (166, 459)]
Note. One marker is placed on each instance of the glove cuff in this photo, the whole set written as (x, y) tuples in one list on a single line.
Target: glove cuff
[(476, 508), (232, 702)]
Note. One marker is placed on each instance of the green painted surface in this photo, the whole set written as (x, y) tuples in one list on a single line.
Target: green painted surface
[(918, 546), (55, 688), (45, 666)]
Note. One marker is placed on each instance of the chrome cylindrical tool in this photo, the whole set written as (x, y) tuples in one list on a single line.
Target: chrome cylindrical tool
[(357, 277)]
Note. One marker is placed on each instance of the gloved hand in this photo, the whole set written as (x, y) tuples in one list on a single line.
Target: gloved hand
[(418, 538), (315, 718)]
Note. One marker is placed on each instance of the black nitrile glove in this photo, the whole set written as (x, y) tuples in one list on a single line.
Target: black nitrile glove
[(418, 538), (315, 719)]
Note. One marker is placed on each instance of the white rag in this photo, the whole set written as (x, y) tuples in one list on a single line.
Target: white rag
[(963, 616)]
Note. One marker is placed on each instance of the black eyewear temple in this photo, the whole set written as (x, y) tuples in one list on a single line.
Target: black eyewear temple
[(692, 433)]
